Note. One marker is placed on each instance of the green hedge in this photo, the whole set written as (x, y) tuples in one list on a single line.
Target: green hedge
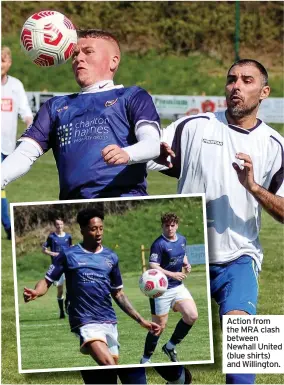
[(170, 27)]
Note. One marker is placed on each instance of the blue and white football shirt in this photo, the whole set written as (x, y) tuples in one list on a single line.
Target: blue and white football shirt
[(90, 277), (169, 255), (205, 146), (78, 127), (57, 243)]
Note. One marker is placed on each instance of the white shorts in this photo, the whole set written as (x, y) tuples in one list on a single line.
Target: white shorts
[(60, 282), (162, 305), (99, 332)]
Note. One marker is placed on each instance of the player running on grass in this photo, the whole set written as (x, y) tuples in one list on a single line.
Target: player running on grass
[(57, 241), (237, 160), (168, 255), (92, 277)]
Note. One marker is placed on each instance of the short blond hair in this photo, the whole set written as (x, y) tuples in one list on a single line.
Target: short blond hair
[(5, 51)]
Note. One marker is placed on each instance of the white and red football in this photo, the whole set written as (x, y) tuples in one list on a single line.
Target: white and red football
[(153, 283), (48, 38)]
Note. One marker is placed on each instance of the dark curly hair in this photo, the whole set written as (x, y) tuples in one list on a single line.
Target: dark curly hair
[(169, 217), (85, 215)]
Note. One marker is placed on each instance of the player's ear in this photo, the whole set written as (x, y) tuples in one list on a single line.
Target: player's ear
[(114, 63), (264, 93)]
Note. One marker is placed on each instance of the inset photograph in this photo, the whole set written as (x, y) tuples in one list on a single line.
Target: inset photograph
[(114, 282)]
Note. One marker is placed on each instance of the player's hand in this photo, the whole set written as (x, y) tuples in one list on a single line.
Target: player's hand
[(29, 294), (151, 326), (115, 155), (187, 267), (245, 171), (165, 152), (178, 276)]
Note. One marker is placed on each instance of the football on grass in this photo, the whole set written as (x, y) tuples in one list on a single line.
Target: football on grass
[(153, 283), (48, 38)]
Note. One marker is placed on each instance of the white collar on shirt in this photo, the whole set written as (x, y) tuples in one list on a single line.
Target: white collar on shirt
[(103, 85), (170, 240)]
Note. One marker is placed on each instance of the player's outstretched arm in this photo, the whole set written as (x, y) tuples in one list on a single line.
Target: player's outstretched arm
[(123, 302), (40, 289), (271, 203), (19, 162)]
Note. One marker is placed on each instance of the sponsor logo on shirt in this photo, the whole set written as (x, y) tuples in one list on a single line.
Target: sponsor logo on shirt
[(110, 103), (91, 277), (207, 141), (7, 105), (64, 134), (154, 257), (62, 109), (97, 128), (108, 262)]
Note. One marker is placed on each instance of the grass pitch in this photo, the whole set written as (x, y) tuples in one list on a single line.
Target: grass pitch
[(48, 343), (271, 296)]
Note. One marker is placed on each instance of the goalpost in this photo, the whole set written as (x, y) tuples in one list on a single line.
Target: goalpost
[(144, 267)]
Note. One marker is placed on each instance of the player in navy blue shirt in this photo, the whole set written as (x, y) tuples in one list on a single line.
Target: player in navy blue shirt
[(92, 278), (56, 242), (101, 137), (168, 255)]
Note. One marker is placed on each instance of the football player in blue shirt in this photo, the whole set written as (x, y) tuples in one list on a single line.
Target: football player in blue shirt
[(92, 277), (101, 137), (57, 241), (168, 255)]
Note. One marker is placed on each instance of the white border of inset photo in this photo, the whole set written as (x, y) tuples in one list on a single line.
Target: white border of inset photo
[(175, 196)]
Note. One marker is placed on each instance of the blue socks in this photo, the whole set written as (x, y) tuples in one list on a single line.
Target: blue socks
[(236, 378)]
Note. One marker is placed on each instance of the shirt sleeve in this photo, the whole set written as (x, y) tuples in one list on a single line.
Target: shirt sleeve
[(167, 136), (24, 107), (41, 128), (48, 242), (275, 175), (155, 253), (148, 145), (115, 276), (178, 136), (56, 268), (19, 162), (141, 108)]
